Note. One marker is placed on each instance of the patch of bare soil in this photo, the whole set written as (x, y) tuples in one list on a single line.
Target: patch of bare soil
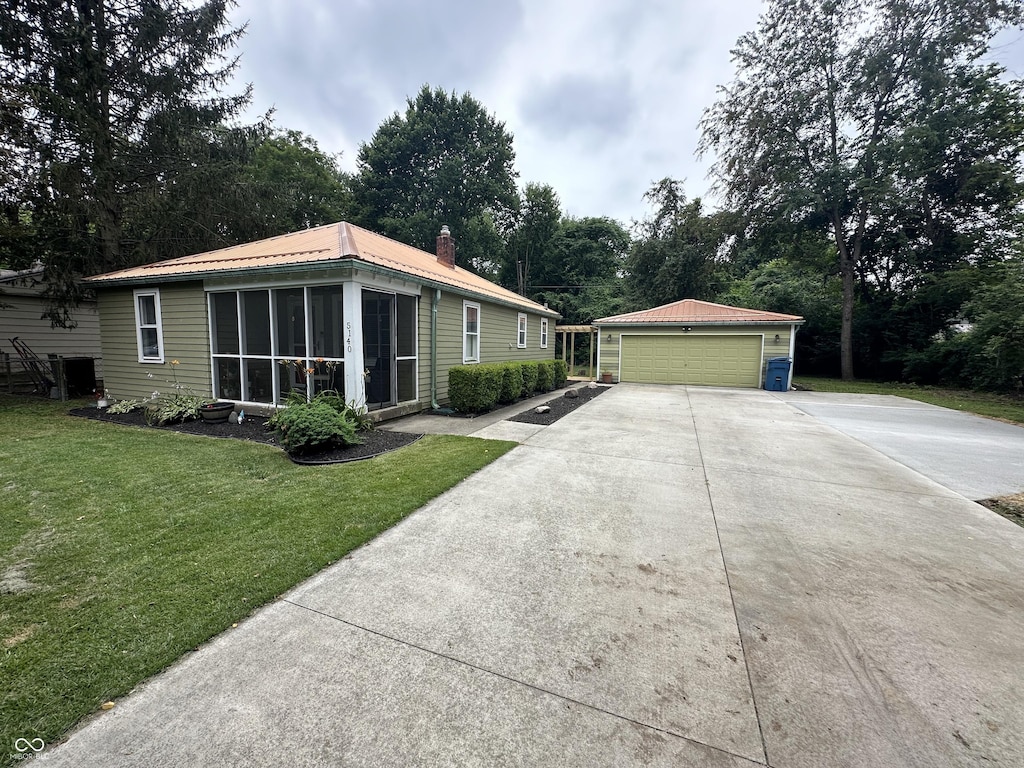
[(1010, 507), (254, 429), (560, 406)]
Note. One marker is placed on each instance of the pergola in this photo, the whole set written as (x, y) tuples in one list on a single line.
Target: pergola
[(568, 334)]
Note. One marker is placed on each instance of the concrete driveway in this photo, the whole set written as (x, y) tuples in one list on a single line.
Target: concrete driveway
[(669, 576)]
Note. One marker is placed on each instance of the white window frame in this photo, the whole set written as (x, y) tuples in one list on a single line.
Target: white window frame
[(543, 333), (140, 326), (521, 334), (466, 357)]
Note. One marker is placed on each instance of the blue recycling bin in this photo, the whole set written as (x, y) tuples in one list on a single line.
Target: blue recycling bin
[(776, 375)]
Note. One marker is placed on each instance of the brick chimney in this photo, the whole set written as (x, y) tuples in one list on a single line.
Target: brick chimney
[(446, 248)]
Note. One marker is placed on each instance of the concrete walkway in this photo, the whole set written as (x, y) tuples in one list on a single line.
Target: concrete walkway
[(668, 576)]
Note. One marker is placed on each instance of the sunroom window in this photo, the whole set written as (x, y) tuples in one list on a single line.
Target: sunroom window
[(268, 343)]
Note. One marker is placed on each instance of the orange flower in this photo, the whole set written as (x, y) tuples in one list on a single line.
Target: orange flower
[(309, 371)]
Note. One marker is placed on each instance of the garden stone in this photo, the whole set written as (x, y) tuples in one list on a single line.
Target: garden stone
[(592, 385), (542, 409), (233, 418), (571, 394)]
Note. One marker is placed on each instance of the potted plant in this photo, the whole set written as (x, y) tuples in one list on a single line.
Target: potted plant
[(216, 413), (606, 377)]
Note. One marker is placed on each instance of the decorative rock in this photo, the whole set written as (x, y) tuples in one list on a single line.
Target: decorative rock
[(592, 385), (571, 394), (542, 409), (233, 418)]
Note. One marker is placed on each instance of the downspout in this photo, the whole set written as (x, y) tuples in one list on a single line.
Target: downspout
[(433, 348), (792, 358)]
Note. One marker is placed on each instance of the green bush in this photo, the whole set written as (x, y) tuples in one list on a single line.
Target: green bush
[(474, 388), (530, 373), (545, 375), (511, 382), (561, 373), (314, 426)]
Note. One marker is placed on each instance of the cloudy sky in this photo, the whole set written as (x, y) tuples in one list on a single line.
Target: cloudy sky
[(602, 97)]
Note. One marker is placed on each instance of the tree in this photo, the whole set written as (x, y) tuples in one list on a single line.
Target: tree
[(826, 94), (580, 273), (295, 186), (108, 109), (674, 256), (444, 161), (529, 234)]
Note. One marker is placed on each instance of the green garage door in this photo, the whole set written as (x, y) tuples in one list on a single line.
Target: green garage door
[(722, 361)]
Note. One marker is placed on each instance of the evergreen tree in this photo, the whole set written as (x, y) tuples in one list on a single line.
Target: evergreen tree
[(114, 133)]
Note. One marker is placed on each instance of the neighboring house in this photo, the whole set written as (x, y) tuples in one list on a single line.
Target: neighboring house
[(22, 306), (695, 342), (335, 307)]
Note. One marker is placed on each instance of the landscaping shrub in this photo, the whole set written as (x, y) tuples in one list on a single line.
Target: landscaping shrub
[(561, 373), (314, 426), (511, 382), (474, 388), (545, 375), (530, 372)]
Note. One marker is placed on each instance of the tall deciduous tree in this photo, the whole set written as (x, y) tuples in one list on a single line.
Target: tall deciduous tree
[(674, 254), (580, 272), (445, 160), (826, 93), (295, 185), (108, 107), (528, 235)]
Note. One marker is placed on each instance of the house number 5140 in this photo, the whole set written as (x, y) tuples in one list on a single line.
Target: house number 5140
[(348, 336)]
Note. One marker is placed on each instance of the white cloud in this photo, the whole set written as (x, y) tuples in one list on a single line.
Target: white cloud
[(603, 96)]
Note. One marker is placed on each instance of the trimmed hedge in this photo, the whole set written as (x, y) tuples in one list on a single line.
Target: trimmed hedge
[(545, 375), (529, 369), (478, 388), (561, 373)]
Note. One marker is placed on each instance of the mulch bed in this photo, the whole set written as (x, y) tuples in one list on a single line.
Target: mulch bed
[(254, 429), (560, 406)]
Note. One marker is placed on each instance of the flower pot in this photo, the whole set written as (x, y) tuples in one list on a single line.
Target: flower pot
[(606, 377), (216, 413)]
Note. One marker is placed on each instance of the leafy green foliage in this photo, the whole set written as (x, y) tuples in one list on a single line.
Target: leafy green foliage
[(176, 406), (866, 121), (113, 118), (444, 161), (674, 256), (531, 371), (545, 375), (474, 388), (511, 382), (561, 373), (314, 426), (479, 388), (579, 274), (295, 186)]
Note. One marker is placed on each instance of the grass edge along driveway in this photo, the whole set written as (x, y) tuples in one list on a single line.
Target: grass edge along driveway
[(123, 548)]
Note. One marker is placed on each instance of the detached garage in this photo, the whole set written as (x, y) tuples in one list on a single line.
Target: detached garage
[(695, 342)]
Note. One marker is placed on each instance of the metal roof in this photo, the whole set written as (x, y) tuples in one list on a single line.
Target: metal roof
[(320, 246), (693, 312)]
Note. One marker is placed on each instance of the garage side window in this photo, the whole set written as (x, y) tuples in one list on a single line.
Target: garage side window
[(543, 333), (521, 338), (149, 332), (470, 333)]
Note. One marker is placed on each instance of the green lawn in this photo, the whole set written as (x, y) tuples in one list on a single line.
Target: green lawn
[(1008, 407), (123, 548)]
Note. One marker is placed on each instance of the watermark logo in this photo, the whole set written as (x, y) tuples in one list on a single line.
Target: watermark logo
[(27, 747)]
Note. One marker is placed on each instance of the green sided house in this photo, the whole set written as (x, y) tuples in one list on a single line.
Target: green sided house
[(335, 307), (695, 342)]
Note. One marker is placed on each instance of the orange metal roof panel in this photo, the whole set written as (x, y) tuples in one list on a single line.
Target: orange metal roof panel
[(326, 243), (697, 312)]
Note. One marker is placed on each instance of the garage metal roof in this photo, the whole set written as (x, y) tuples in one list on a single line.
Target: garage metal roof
[(693, 312), (318, 247)]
